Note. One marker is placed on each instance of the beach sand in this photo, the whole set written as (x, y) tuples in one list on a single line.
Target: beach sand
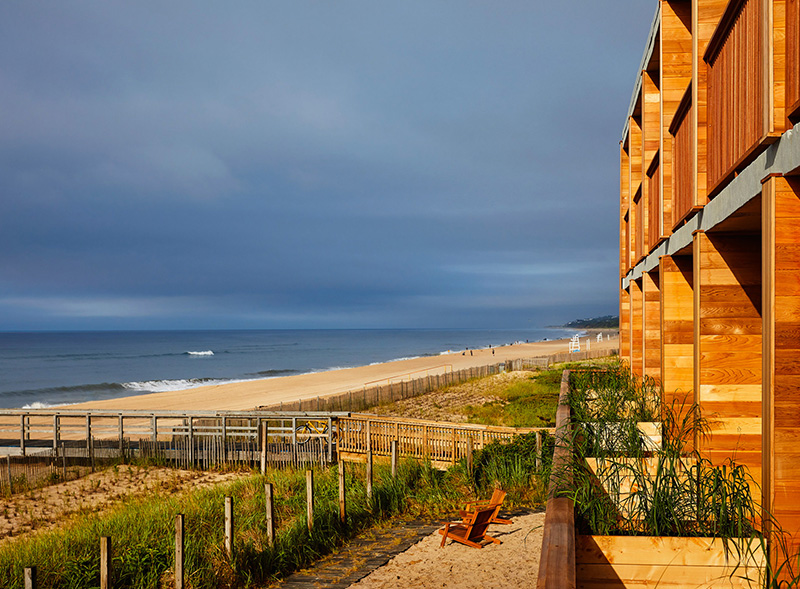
[(514, 563), (251, 394)]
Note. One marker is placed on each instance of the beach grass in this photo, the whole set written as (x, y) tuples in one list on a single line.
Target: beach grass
[(525, 403), (142, 532)]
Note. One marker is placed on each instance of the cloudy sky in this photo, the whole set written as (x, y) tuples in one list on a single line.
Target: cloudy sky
[(264, 164)]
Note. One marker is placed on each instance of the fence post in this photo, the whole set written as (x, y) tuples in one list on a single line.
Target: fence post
[(121, 436), (330, 440), (22, 434), (310, 498), (270, 513), (394, 458), (30, 578), (55, 432), (455, 444), (105, 562), (191, 441), (91, 451), (538, 449), (294, 441), (229, 526), (264, 426), (225, 440), (342, 497), (369, 473), (154, 437), (10, 482), (469, 454), (179, 551)]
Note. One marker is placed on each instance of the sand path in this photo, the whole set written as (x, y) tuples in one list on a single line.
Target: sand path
[(251, 394), (514, 563)]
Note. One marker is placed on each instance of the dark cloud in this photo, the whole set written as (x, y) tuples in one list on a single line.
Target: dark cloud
[(299, 164)]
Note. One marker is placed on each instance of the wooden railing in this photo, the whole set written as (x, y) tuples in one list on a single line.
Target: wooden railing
[(557, 562), (736, 119), (440, 442), (682, 131), (189, 438), (654, 203)]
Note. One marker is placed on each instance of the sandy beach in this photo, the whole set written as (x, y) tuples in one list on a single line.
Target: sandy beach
[(514, 563), (251, 394)]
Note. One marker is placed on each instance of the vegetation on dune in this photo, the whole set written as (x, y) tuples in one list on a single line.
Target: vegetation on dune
[(142, 528), (526, 403)]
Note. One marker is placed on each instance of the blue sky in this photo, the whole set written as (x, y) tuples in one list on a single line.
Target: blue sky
[(311, 164)]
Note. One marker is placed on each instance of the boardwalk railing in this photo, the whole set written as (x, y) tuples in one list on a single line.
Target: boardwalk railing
[(442, 443), (186, 439)]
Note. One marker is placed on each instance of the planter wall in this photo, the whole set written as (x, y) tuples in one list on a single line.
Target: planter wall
[(647, 561)]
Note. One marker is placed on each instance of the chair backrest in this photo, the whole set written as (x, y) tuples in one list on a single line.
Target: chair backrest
[(480, 520), (497, 497)]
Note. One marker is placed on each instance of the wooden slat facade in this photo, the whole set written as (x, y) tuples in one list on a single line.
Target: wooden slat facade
[(651, 286), (781, 354), (727, 291), (792, 69), (654, 204), (735, 90), (728, 351), (682, 138)]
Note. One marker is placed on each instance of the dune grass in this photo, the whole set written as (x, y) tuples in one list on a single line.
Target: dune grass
[(526, 403), (142, 529)]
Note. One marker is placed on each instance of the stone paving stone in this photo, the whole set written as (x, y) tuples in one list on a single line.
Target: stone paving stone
[(360, 557)]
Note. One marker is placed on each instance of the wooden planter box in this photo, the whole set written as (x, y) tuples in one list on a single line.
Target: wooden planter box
[(648, 561)]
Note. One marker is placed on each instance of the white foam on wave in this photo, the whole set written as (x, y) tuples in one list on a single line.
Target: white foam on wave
[(42, 405), (164, 386), (203, 353)]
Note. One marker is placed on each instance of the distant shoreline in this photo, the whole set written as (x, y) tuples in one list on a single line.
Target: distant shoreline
[(250, 394)]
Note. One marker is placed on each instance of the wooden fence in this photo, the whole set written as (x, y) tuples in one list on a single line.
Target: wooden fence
[(43, 443), (442, 443), (367, 397)]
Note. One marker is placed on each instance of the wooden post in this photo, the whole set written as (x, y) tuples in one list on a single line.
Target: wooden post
[(30, 578), (191, 441), (538, 449), (369, 473), (310, 498), (455, 444), (121, 425), (10, 482), (424, 441), (154, 422), (394, 458), (330, 440), (179, 551), (270, 513), (105, 562), (22, 434), (469, 454), (64, 459), (55, 432), (342, 497), (91, 451), (229, 526), (294, 441), (264, 432), (224, 440)]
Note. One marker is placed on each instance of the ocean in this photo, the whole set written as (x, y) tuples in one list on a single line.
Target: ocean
[(45, 369)]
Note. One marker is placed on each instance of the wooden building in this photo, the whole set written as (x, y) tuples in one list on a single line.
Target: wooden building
[(710, 230)]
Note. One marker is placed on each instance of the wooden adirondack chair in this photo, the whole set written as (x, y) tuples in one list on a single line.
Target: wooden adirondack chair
[(496, 501), (472, 530)]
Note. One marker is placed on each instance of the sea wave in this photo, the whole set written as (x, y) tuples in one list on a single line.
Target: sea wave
[(41, 405), (203, 353)]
